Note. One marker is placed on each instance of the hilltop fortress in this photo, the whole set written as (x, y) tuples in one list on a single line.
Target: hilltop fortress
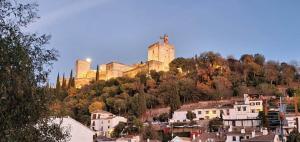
[(160, 54)]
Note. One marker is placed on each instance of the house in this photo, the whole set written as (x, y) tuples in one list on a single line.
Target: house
[(181, 139), (209, 137), (104, 122), (241, 113), (264, 138), (244, 113), (77, 131), (129, 139)]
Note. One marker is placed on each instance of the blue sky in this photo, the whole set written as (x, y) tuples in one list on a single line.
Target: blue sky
[(121, 30)]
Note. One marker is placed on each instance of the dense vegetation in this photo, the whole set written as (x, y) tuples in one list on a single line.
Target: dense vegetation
[(24, 67), (205, 77)]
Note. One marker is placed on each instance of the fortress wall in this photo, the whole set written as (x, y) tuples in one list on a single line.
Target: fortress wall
[(81, 68)]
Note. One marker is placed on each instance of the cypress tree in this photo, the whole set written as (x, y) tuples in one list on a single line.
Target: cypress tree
[(73, 82), (97, 73), (70, 80), (57, 83), (64, 83)]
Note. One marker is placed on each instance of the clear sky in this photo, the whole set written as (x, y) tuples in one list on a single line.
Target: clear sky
[(121, 30)]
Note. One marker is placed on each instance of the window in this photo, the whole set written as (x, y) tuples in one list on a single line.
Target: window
[(252, 104), (108, 127), (93, 123), (199, 112), (244, 108), (108, 121), (241, 137), (214, 111), (207, 112), (247, 137), (206, 117), (233, 138), (239, 108), (227, 111), (98, 116), (257, 103), (94, 116), (252, 110)]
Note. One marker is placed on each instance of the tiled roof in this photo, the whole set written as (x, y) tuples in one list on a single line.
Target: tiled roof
[(263, 138), (205, 136), (101, 111)]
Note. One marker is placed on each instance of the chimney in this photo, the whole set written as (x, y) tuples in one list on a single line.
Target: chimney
[(246, 98), (243, 131), (253, 134), (265, 131), (194, 137), (230, 128)]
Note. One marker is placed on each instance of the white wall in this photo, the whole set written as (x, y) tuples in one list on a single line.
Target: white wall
[(78, 132)]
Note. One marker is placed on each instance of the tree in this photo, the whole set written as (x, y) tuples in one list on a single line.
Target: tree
[(64, 83), (97, 105), (57, 84), (215, 124), (190, 115), (97, 73), (149, 133), (23, 73), (71, 83), (259, 59), (294, 136), (164, 117), (271, 70), (119, 129)]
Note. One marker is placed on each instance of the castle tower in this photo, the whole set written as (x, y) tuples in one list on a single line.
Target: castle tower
[(82, 67), (162, 52)]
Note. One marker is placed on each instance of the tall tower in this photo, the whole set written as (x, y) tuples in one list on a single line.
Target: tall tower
[(162, 52), (82, 68)]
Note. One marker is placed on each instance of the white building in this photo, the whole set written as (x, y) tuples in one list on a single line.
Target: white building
[(244, 113), (292, 121), (104, 122), (77, 131)]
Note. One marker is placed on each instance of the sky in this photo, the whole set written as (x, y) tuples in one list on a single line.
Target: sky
[(121, 30)]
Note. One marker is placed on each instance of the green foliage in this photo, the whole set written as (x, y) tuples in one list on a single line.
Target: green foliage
[(205, 77), (215, 124), (149, 133), (294, 136), (97, 73), (119, 129), (264, 119), (24, 69), (190, 115)]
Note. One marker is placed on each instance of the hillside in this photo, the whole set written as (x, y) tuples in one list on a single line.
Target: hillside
[(200, 78)]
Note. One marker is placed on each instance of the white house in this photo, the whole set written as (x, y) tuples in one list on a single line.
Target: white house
[(202, 113), (104, 122), (244, 113), (77, 131)]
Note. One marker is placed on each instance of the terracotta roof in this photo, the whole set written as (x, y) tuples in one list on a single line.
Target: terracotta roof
[(263, 138), (101, 111), (205, 136), (207, 105)]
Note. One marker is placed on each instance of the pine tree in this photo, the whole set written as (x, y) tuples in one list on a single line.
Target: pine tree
[(70, 80), (97, 73)]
